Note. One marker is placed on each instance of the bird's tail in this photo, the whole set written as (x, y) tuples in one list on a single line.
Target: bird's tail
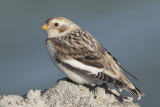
[(120, 84), (135, 92)]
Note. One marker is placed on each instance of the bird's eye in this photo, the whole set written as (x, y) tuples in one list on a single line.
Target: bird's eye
[(56, 24)]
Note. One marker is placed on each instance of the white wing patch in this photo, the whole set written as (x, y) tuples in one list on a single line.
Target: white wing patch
[(77, 64), (75, 76)]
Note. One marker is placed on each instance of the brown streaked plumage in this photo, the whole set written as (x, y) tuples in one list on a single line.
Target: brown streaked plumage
[(75, 52)]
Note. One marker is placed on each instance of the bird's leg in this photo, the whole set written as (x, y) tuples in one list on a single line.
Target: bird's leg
[(91, 87), (104, 85)]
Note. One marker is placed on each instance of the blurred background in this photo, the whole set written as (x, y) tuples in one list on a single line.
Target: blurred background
[(130, 30)]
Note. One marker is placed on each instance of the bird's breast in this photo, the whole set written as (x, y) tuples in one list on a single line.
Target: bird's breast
[(50, 47)]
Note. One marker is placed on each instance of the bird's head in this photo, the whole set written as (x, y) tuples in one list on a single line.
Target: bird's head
[(58, 26)]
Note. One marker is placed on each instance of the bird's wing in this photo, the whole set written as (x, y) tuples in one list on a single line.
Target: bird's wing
[(80, 50)]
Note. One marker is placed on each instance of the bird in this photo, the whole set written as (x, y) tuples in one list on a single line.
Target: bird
[(82, 58)]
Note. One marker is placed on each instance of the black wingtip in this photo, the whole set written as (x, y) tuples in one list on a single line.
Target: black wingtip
[(132, 75), (128, 73), (140, 92)]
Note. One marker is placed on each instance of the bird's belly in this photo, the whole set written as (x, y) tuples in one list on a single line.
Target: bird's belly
[(76, 77)]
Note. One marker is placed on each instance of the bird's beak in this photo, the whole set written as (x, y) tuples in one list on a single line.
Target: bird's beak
[(44, 27)]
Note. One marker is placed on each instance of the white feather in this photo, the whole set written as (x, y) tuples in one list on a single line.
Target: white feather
[(75, 76), (50, 48), (77, 64)]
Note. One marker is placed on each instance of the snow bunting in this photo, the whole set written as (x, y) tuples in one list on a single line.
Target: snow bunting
[(79, 56)]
